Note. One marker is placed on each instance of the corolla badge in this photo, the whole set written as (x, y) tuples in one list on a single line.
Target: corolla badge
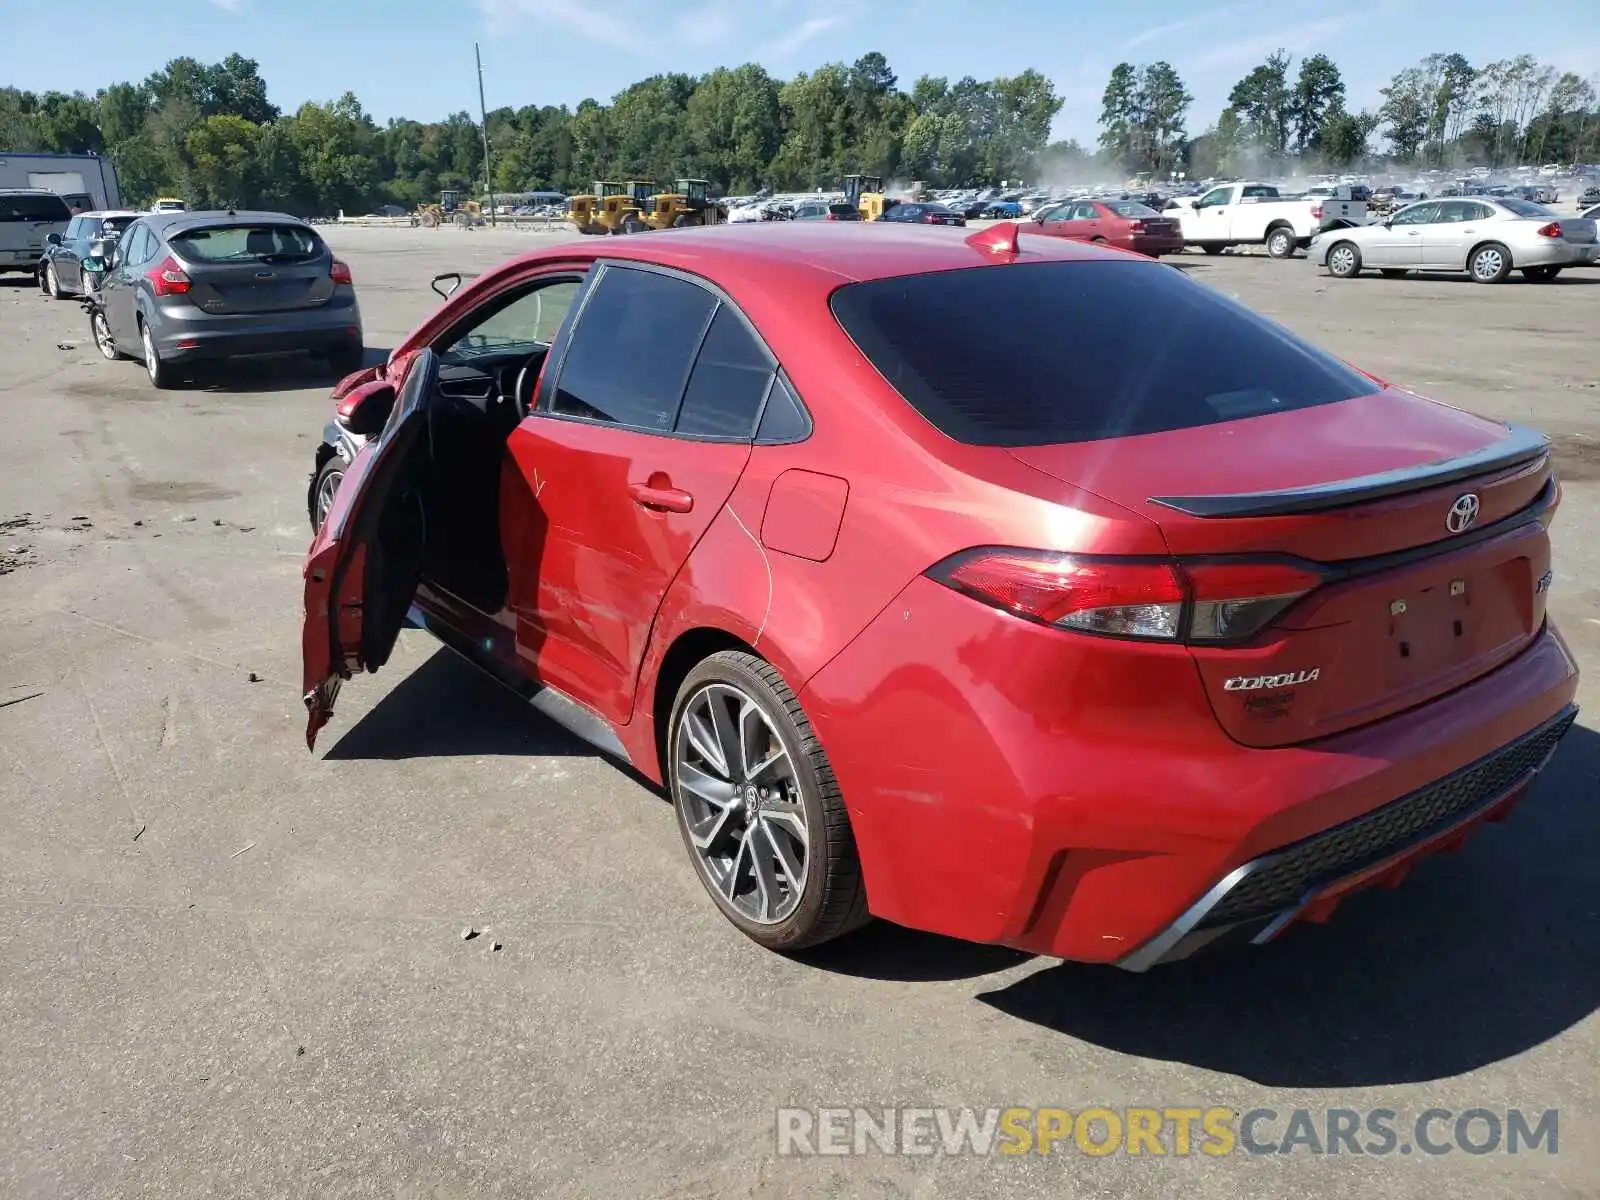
[(1463, 514), (1255, 683)]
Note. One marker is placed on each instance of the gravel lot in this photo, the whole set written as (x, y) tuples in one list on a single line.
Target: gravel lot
[(231, 968)]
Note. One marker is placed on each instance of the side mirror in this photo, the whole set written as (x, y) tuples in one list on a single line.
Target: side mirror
[(52, 239), (451, 280), (371, 412)]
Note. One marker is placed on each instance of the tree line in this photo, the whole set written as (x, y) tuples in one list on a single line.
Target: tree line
[(210, 133), (1442, 112)]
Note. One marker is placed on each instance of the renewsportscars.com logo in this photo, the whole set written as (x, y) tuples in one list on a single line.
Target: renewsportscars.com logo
[(1159, 1132)]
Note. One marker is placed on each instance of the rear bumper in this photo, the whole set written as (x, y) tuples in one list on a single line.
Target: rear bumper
[(1558, 254), (1153, 246), (181, 338), (1001, 793)]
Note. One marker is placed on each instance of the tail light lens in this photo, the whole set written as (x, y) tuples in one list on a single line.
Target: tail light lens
[(1316, 212), (167, 278), (1552, 230), (1135, 226), (340, 272), (1206, 603)]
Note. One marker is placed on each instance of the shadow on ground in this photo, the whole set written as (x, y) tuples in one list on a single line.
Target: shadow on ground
[(289, 373), (1476, 958), (448, 707)]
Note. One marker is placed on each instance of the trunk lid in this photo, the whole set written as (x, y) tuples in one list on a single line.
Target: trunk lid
[(1421, 589), (1580, 230), (255, 268)]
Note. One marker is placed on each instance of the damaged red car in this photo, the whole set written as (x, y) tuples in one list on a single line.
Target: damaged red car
[(1157, 630)]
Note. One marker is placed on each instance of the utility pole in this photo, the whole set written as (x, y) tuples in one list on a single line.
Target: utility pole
[(483, 113)]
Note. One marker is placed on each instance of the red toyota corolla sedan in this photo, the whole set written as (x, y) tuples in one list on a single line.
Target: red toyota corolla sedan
[(1125, 224), (1154, 629)]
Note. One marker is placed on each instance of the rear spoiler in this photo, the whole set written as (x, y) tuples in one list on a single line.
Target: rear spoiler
[(1521, 447)]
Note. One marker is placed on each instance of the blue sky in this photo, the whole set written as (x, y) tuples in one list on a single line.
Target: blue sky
[(414, 57)]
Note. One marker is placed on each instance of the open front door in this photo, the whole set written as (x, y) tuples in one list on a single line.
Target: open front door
[(365, 563)]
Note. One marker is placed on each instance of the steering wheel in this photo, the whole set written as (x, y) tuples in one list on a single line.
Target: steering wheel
[(527, 381)]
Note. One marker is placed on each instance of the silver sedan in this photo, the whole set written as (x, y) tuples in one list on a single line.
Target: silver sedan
[(1486, 237)]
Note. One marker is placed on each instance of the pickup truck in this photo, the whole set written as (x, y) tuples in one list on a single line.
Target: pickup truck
[(1255, 214)]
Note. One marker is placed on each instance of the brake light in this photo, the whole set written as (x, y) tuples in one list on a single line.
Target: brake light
[(1552, 230), (1149, 599), (1136, 226), (1316, 212), (340, 272), (830, 217), (167, 278)]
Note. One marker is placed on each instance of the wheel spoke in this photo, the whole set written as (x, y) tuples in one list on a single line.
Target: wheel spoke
[(704, 740), (764, 865), (729, 882), (727, 733), (788, 818), (783, 853), (756, 740)]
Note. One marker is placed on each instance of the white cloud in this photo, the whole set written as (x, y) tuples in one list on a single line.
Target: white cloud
[(1155, 33), (807, 31), (1249, 51), (229, 5)]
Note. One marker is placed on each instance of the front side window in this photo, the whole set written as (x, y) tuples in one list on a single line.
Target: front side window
[(1214, 197), (1417, 214), (527, 323), (632, 349)]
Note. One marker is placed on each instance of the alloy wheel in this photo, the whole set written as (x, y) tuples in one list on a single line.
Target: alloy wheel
[(1487, 263), (152, 364), (740, 801), (102, 336), (327, 488), (1342, 260)]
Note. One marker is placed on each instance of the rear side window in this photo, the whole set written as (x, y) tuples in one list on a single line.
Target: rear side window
[(729, 382), (631, 350), (1109, 349), (247, 243), (16, 207)]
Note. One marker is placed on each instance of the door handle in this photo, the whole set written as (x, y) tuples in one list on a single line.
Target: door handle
[(1413, 233), (661, 499)]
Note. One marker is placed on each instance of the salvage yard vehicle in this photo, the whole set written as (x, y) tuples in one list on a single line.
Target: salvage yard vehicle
[(28, 217), (688, 204), (865, 192), (1486, 237), (894, 617), (1254, 214), (609, 209), (1125, 224), (61, 266), (183, 290)]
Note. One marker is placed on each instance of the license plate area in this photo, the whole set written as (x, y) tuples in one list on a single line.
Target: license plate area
[(1438, 625)]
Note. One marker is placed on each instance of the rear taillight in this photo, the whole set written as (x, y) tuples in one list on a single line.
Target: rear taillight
[(167, 278), (1316, 212), (1552, 230), (932, 218), (340, 272), (1205, 602), (830, 217), (1136, 226)]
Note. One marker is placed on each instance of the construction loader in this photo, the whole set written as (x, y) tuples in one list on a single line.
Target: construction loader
[(866, 193), (609, 208)]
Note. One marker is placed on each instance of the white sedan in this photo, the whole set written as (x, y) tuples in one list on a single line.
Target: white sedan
[(1485, 236)]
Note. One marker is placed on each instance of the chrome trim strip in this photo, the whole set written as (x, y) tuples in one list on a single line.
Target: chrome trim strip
[(1158, 947), (1523, 446)]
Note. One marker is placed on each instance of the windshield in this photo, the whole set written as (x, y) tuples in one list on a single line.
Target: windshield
[(33, 207), (1131, 208), (1135, 348), (248, 244), (1523, 208)]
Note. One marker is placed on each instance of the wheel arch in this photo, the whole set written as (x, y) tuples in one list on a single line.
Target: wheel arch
[(688, 649), (1511, 258)]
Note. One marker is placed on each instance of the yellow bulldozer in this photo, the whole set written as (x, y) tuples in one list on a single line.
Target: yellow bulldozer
[(688, 204), (451, 208), (866, 193), (609, 208)]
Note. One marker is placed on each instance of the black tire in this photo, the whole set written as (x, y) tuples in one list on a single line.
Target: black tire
[(347, 359), (1540, 274), (1212, 248), (161, 375), (1394, 272), (832, 899), (1281, 242), (1489, 263), (323, 486), (1344, 260)]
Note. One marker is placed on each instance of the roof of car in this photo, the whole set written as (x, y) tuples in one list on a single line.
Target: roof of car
[(28, 192), (111, 212), (847, 251)]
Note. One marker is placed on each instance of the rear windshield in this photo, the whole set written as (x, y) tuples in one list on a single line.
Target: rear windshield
[(1131, 208), (1523, 208), (115, 224), (33, 208), (248, 243), (1105, 349)]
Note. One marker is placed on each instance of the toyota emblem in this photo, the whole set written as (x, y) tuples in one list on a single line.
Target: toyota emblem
[(1463, 514)]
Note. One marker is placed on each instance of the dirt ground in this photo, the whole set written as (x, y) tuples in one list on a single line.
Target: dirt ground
[(228, 967)]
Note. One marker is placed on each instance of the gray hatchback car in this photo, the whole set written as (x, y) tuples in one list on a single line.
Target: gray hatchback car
[(183, 289)]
